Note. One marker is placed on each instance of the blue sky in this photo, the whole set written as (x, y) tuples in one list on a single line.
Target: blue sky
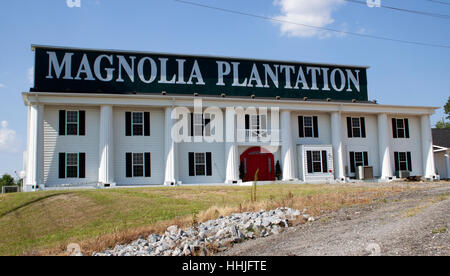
[(400, 74)]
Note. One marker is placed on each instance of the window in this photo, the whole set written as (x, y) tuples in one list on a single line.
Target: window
[(200, 124), (255, 125), (358, 159), (137, 123), (403, 161), (72, 122), (400, 128), (200, 164), (72, 165), (356, 127), (308, 126), (316, 161), (138, 164)]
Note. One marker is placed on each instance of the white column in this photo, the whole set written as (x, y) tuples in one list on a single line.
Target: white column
[(169, 148), (384, 149), (34, 148), (287, 151), (230, 147), (447, 165), (336, 140), (106, 146), (427, 147)]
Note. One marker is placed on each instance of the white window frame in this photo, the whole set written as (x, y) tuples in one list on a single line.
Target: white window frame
[(137, 124), (400, 161), (72, 123), (305, 126), (76, 166), (316, 161), (354, 128), (402, 129), (200, 164), (133, 164)]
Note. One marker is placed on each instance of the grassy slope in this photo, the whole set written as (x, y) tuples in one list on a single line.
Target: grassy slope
[(32, 222)]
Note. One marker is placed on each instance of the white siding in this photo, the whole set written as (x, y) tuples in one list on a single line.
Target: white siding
[(369, 144), (54, 144), (439, 160), (412, 144), (139, 144), (324, 124), (218, 162)]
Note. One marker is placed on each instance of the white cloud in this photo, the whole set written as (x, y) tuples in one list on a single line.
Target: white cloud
[(2, 85), (316, 13), (8, 138), (30, 75)]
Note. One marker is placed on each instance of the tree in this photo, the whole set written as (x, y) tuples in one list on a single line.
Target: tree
[(447, 108), (278, 172), (442, 123), (241, 171), (7, 180)]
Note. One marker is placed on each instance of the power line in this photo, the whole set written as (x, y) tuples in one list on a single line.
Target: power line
[(313, 27), (432, 14), (439, 2)]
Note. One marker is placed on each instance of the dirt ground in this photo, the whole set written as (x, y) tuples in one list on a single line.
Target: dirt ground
[(414, 222)]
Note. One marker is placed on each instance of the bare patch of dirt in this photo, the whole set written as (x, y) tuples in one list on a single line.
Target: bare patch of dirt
[(414, 222)]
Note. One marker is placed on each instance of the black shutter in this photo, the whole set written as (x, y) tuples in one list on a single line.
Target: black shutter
[(408, 157), (208, 164), (62, 122), (207, 127), (315, 127), (191, 164), (128, 164), (324, 161), (82, 122), (394, 128), (82, 165), (128, 124), (247, 121), (147, 165), (192, 124), (366, 158), (309, 161), (396, 161), (62, 165), (301, 131), (352, 162), (363, 127), (146, 123), (349, 127), (406, 128), (203, 125)]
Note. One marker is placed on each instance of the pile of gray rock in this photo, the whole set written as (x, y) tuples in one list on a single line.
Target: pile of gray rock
[(212, 236)]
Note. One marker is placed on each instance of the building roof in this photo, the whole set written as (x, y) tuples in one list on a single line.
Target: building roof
[(441, 137)]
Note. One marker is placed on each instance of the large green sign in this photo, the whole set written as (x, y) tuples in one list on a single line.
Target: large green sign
[(97, 71)]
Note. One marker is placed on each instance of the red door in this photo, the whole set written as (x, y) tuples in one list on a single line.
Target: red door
[(258, 158)]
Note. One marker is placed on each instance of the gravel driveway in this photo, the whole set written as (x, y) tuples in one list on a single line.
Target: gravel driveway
[(415, 222)]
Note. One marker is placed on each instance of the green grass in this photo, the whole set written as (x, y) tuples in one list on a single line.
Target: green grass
[(32, 222)]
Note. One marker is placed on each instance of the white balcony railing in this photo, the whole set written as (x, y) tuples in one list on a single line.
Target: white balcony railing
[(258, 135)]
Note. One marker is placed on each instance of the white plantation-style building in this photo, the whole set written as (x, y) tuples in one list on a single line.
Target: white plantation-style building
[(111, 118)]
